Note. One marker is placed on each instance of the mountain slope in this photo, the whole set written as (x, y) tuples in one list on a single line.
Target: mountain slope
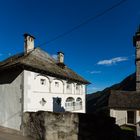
[(99, 100)]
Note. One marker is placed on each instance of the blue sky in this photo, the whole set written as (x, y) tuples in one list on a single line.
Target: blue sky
[(101, 51)]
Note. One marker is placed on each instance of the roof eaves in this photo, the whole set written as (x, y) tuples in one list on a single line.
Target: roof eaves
[(25, 66)]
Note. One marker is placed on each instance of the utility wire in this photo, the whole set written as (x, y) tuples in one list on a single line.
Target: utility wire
[(84, 23)]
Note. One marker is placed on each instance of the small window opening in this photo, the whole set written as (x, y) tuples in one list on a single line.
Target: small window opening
[(77, 87), (57, 84), (68, 86), (43, 81)]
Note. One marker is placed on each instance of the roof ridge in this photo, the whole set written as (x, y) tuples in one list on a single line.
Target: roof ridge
[(46, 54), (39, 59)]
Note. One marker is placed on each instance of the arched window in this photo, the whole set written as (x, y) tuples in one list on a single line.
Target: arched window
[(68, 87), (78, 104), (77, 89), (57, 86), (78, 99), (70, 99), (41, 83), (70, 104)]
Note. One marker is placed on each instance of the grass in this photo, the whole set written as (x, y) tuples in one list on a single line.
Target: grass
[(129, 132), (128, 128)]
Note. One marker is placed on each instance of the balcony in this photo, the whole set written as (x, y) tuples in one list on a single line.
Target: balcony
[(73, 106)]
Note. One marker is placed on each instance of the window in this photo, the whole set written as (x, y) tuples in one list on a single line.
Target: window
[(43, 81), (77, 87), (79, 101), (70, 104), (131, 117), (68, 86), (56, 84)]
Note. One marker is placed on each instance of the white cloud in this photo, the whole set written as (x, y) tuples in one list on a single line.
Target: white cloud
[(112, 61), (54, 56), (94, 72)]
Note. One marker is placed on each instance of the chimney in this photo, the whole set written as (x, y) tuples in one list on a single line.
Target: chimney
[(136, 43), (60, 59), (28, 43)]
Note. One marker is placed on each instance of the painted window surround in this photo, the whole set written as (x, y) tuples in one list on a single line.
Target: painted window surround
[(55, 85)]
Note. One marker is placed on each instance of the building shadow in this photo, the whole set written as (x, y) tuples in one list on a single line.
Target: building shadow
[(101, 127), (9, 75)]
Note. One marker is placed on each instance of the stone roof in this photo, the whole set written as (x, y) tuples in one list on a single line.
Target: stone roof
[(40, 61), (124, 100)]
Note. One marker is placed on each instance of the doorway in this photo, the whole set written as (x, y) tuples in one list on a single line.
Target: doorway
[(131, 117)]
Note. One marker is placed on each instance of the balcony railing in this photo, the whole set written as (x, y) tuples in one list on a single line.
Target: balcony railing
[(72, 106)]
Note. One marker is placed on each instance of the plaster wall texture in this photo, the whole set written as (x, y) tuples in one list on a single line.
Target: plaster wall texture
[(51, 126), (39, 97), (120, 115), (10, 100), (138, 122)]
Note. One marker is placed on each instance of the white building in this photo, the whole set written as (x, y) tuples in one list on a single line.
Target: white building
[(125, 107), (34, 81)]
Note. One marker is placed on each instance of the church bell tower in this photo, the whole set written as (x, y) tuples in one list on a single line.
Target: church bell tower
[(136, 43)]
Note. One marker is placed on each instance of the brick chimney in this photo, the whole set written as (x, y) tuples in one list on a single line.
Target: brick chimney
[(28, 43), (60, 59), (136, 43)]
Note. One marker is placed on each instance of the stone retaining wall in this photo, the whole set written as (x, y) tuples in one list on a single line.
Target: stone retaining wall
[(51, 126), (70, 126)]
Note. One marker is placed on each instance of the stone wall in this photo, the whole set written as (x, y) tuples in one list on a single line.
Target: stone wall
[(51, 126), (70, 126)]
